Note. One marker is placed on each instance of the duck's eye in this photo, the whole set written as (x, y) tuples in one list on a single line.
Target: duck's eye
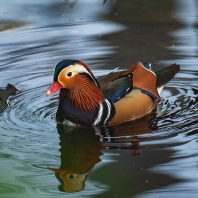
[(69, 74), (71, 176)]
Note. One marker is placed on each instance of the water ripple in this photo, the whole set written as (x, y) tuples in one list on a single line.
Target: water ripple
[(181, 108), (30, 110), (10, 188)]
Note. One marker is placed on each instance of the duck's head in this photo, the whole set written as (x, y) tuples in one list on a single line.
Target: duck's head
[(68, 72)]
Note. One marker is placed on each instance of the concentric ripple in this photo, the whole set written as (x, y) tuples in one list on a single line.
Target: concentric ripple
[(179, 115), (32, 110), (180, 105)]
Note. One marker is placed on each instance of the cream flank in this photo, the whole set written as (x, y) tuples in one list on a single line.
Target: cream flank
[(132, 106)]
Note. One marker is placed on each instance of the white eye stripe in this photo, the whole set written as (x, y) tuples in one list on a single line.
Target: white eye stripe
[(77, 68)]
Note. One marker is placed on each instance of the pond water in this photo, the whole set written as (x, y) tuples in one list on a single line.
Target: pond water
[(150, 157)]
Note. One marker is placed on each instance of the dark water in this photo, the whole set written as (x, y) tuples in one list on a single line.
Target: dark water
[(145, 158)]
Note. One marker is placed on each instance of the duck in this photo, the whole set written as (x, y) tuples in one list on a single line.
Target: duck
[(112, 99)]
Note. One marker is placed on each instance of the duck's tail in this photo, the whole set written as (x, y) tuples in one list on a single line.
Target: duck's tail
[(166, 74)]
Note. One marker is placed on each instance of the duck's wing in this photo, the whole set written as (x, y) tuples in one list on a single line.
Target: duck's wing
[(131, 90), (114, 86), (106, 79), (149, 82), (118, 88)]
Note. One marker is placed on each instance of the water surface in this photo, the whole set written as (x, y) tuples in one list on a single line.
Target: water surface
[(150, 157)]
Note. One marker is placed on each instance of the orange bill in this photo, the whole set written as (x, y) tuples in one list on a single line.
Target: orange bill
[(56, 170), (55, 87)]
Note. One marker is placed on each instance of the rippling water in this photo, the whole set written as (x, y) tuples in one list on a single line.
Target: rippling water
[(150, 157)]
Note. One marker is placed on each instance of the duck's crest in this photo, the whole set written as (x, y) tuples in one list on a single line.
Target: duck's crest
[(61, 65), (66, 63)]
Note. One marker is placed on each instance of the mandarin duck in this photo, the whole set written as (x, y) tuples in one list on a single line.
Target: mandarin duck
[(115, 98)]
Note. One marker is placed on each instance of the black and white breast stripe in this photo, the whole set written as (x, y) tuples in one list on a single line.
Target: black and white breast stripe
[(105, 113)]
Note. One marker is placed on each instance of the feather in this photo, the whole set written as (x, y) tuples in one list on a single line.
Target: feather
[(166, 74), (85, 95), (118, 89)]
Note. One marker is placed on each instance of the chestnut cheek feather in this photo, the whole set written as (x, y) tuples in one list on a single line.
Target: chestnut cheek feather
[(55, 87)]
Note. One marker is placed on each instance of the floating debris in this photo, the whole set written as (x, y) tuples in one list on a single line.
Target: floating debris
[(4, 95)]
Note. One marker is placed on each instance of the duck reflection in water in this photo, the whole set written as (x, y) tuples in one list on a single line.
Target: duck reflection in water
[(81, 149)]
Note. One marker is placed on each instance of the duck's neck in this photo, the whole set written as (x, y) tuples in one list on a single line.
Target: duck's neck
[(85, 104), (86, 95)]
